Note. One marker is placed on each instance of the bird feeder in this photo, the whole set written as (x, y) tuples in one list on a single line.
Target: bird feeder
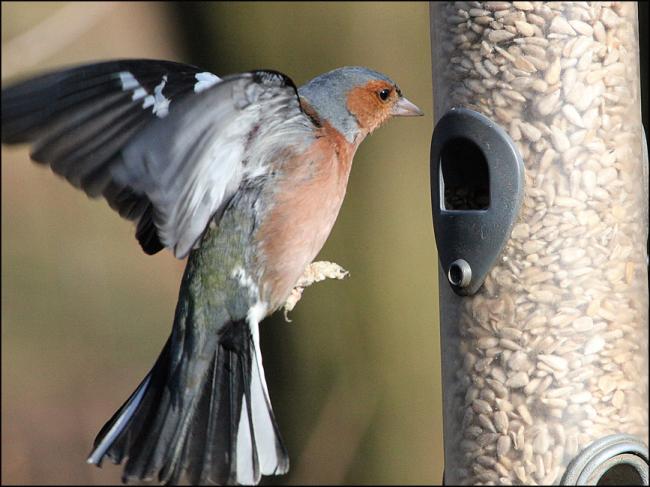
[(540, 208)]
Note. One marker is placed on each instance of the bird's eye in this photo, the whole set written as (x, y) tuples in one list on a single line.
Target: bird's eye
[(383, 94)]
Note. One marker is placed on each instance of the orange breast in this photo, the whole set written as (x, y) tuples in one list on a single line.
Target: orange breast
[(306, 204)]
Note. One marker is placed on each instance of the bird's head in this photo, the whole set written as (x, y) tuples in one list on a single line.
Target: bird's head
[(356, 100)]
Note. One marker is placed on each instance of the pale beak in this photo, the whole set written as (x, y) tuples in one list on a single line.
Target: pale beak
[(404, 108)]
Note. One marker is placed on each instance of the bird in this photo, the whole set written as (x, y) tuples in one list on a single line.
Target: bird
[(244, 175)]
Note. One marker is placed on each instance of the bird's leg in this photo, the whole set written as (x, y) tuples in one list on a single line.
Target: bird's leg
[(314, 272)]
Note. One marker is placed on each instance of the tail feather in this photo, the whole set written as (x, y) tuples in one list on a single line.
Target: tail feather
[(206, 416), (206, 453), (273, 457), (114, 439), (115, 426)]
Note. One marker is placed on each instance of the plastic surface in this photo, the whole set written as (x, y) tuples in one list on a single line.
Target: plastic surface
[(551, 354), (470, 240)]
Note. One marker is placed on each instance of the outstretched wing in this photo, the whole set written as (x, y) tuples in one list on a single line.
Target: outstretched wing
[(163, 142)]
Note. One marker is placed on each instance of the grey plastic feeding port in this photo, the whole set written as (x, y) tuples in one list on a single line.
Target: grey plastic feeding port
[(477, 179)]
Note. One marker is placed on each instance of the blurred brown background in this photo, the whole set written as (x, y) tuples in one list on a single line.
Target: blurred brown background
[(354, 379)]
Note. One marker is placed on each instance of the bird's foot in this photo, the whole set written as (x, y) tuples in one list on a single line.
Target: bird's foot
[(315, 272)]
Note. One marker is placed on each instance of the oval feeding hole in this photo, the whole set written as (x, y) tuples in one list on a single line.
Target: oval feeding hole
[(465, 181), (621, 474), (460, 273), (455, 275)]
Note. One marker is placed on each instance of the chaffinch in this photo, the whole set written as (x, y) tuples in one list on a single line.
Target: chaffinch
[(246, 174)]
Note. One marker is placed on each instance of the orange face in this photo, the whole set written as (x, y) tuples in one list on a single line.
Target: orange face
[(372, 104)]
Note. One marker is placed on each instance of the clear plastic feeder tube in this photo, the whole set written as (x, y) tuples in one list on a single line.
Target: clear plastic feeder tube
[(551, 354)]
